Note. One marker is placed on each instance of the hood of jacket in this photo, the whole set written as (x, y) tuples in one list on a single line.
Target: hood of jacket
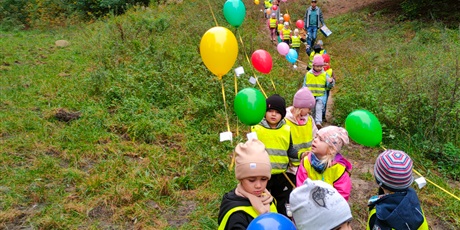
[(400, 210)]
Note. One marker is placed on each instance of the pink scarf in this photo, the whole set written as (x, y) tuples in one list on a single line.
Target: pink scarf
[(260, 203), (315, 72)]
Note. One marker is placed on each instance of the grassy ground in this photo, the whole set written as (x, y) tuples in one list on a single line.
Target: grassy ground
[(120, 129)]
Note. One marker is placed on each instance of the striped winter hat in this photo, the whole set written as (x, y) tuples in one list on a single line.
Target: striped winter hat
[(393, 170)]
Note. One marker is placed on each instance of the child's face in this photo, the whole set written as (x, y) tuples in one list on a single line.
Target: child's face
[(318, 68), (273, 117), (319, 147), (326, 63), (304, 111), (255, 185), (344, 226)]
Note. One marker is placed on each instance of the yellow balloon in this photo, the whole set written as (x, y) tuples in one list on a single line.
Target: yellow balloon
[(219, 49), (256, 2)]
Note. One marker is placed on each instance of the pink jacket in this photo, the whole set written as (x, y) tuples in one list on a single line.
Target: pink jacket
[(342, 184)]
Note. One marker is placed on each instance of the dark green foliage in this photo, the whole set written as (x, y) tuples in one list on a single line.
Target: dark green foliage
[(446, 11)]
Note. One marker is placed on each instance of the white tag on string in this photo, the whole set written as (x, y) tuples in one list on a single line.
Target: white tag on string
[(251, 135), (239, 71), (226, 136), (252, 80), (421, 182)]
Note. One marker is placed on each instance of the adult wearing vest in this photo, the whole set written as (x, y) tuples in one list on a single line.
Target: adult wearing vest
[(250, 198), (317, 80), (276, 136), (313, 19)]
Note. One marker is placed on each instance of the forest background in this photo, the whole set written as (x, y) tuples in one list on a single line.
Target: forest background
[(119, 128)]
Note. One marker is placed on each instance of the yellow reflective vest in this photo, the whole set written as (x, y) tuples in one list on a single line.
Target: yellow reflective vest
[(247, 209), (316, 84), (276, 143), (280, 27), (286, 34), (424, 225), (295, 41), (272, 23), (329, 176), (268, 4), (329, 72), (302, 137)]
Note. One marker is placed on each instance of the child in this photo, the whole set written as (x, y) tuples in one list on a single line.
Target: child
[(286, 33), (279, 29), (267, 6), (302, 124), (276, 136), (275, 8), (316, 50), (318, 205), (321, 44), (317, 80), (250, 198), (272, 25), (328, 69), (296, 41), (325, 162), (397, 205)]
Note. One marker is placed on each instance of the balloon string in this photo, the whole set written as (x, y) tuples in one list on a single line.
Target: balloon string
[(431, 182), (236, 92), (273, 84), (225, 105), (247, 58), (214, 17)]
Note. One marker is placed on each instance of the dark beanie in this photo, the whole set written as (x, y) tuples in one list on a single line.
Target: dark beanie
[(277, 103)]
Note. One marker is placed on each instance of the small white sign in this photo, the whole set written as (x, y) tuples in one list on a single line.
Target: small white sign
[(226, 136), (239, 71), (421, 182), (252, 80), (251, 135)]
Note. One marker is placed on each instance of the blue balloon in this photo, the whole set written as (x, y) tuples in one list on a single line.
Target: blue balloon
[(271, 221), (292, 56)]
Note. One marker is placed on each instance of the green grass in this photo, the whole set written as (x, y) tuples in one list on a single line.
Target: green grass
[(145, 151)]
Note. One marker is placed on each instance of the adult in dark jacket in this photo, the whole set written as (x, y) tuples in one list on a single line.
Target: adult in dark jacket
[(313, 19)]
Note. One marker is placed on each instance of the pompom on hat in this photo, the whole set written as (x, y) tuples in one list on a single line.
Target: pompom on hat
[(318, 60), (252, 160), (393, 170), (303, 98), (334, 136), (277, 103), (318, 205)]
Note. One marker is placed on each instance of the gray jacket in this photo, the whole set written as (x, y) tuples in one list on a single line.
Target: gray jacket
[(319, 16)]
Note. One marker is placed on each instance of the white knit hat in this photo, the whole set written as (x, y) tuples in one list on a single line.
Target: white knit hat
[(318, 205)]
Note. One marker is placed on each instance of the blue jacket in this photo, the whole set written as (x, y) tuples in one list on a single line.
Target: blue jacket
[(400, 210)]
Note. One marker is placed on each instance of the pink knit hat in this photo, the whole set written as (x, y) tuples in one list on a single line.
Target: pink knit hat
[(318, 60), (334, 136), (304, 98)]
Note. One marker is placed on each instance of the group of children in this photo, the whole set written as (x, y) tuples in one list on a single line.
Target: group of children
[(293, 165), (295, 169)]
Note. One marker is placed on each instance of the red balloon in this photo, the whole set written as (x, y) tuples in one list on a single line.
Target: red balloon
[(274, 7), (262, 61), (300, 24)]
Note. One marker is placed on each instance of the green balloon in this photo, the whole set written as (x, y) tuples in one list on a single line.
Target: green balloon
[(250, 106), (364, 128), (234, 12)]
